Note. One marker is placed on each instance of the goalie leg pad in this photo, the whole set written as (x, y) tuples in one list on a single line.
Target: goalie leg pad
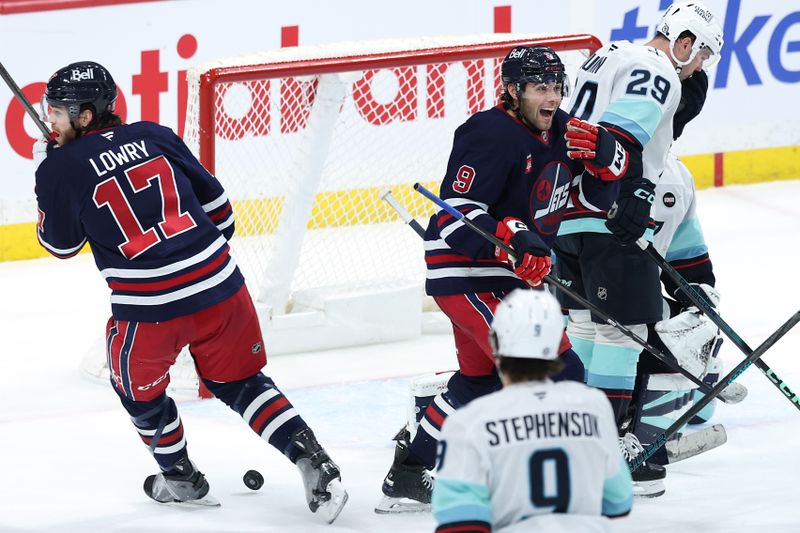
[(662, 399), (264, 408), (422, 391), (461, 390), (690, 337)]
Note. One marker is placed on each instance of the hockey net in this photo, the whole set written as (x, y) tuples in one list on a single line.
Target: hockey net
[(306, 138), (305, 141)]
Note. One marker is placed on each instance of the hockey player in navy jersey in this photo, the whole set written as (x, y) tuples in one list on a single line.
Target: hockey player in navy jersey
[(508, 172), (158, 224), (536, 455), (632, 91)]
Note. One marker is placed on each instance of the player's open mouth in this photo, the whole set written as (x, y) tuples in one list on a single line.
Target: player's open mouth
[(547, 113)]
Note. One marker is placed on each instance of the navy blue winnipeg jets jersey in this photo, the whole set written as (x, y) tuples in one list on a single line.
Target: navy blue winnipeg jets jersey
[(156, 220), (499, 168)]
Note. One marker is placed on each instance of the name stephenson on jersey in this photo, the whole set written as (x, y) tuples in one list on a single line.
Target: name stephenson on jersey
[(530, 450), (637, 89), (156, 220)]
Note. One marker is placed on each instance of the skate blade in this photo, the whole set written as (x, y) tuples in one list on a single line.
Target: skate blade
[(389, 505), (330, 509), (733, 393), (648, 489), (207, 501)]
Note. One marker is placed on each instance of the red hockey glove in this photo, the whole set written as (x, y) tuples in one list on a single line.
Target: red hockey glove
[(602, 155), (533, 255)]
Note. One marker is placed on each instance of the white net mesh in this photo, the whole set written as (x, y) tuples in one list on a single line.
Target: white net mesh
[(305, 143)]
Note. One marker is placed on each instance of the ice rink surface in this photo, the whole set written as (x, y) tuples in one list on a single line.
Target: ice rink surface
[(71, 461)]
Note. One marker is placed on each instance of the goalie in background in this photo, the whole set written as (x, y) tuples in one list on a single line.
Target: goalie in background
[(537, 455), (158, 224)]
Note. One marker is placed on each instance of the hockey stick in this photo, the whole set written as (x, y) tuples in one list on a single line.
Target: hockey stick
[(405, 216), (650, 449), (695, 443), (24, 101), (658, 354), (709, 311)]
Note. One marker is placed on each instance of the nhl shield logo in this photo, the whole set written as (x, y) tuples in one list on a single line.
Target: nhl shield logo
[(528, 164), (602, 293), (255, 348)]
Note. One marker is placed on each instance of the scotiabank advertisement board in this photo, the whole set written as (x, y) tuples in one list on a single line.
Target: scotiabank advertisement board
[(149, 45)]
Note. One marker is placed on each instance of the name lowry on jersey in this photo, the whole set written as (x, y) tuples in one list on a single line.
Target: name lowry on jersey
[(542, 426), (125, 153)]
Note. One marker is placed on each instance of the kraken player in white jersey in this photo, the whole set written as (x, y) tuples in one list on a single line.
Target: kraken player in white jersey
[(632, 91), (536, 455)]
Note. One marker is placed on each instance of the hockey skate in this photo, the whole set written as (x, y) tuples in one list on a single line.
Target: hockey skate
[(186, 486), (648, 479), (323, 482), (406, 488)]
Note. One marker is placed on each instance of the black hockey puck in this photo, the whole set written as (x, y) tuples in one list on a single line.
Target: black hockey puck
[(253, 480)]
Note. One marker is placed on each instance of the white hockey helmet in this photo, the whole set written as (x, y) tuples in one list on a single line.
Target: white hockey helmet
[(701, 22), (527, 324)]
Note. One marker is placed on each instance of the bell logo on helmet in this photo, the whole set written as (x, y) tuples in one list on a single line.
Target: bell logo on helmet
[(82, 75), (516, 53)]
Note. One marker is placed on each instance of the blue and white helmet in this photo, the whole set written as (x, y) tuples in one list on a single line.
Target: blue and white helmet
[(696, 18), (527, 324)]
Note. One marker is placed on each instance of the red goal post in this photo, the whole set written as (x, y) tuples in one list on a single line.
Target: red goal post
[(306, 138)]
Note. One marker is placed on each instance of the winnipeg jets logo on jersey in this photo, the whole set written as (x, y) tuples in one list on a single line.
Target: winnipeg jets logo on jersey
[(550, 194)]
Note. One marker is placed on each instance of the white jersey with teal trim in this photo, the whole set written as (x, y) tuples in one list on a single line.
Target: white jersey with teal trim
[(531, 453), (678, 233), (636, 88)]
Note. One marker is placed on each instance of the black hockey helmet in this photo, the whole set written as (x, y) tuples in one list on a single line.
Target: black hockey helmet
[(84, 82), (533, 64)]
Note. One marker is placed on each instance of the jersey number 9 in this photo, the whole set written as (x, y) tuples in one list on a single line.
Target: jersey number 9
[(551, 465)]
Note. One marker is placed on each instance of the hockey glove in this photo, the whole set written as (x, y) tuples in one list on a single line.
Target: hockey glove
[(693, 96), (41, 149), (629, 216), (602, 155), (709, 294), (533, 255)]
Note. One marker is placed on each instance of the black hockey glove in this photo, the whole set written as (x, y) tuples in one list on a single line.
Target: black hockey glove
[(706, 291), (630, 214), (693, 96)]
